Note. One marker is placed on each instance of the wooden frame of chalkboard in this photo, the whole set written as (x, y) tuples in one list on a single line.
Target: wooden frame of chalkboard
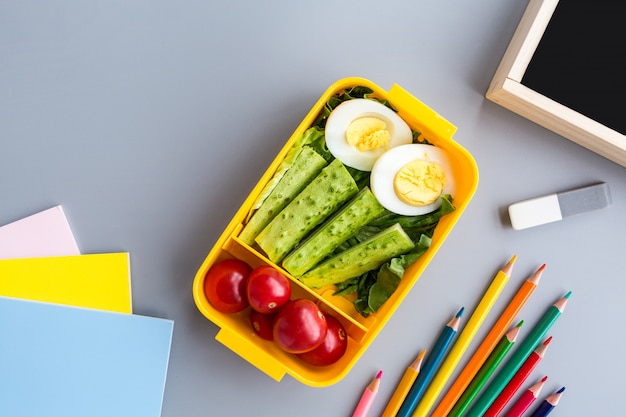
[(507, 90)]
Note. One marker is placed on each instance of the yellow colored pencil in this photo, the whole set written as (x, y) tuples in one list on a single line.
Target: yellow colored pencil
[(404, 386), (464, 339)]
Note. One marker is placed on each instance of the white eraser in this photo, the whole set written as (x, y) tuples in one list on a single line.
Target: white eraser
[(555, 207)]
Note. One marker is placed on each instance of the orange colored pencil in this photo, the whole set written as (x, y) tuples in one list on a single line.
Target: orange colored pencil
[(491, 340), (526, 399), (404, 386), (518, 379)]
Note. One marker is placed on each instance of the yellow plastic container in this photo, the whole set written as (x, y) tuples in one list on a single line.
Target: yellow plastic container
[(235, 331)]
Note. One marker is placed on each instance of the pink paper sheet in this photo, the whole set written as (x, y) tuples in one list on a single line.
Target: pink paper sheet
[(43, 234)]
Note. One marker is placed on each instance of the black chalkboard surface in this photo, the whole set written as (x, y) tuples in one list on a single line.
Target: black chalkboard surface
[(580, 61), (564, 70)]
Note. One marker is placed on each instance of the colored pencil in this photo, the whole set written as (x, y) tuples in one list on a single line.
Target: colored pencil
[(367, 398), (510, 389), (519, 356), (465, 339), (432, 362), (486, 370), (548, 404), (526, 399), (404, 386), (488, 344)]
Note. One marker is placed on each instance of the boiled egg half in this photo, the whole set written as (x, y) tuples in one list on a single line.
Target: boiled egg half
[(409, 179), (359, 131)]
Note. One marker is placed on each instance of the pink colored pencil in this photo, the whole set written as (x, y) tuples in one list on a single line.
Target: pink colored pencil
[(526, 399), (367, 398)]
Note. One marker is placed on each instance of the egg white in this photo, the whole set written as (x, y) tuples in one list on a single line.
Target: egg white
[(385, 169), (341, 117)]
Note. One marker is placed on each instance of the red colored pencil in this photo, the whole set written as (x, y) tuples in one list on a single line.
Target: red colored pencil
[(518, 379), (526, 399)]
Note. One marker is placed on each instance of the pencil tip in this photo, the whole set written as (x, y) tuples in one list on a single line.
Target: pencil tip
[(513, 333), (561, 390), (548, 340), (544, 379), (379, 374), (460, 313), (520, 324), (568, 294), (535, 277), (508, 268)]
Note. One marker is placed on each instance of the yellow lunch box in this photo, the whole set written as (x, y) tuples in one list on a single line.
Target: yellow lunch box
[(235, 330)]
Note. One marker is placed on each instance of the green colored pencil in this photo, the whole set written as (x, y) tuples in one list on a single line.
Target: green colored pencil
[(486, 370), (517, 359)]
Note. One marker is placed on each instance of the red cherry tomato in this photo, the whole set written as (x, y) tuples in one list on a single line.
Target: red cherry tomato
[(262, 324), (267, 289), (225, 285), (332, 348), (299, 326)]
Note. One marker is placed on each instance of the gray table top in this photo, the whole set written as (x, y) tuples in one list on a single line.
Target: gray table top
[(150, 122)]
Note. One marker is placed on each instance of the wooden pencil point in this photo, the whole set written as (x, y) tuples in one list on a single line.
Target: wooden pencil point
[(512, 334), (536, 276), (541, 349), (553, 400), (560, 304), (537, 387), (373, 386), (508, 268), (417, 363)]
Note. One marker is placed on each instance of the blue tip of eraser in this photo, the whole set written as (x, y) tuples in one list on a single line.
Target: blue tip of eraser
[(554, 207)]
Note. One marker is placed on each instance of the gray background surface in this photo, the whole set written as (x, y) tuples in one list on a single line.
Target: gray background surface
[(150, 122)]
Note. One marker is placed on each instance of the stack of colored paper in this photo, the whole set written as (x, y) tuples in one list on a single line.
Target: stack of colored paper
[(70, 345)]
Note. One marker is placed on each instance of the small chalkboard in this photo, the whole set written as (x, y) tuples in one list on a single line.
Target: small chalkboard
[(564, 69)]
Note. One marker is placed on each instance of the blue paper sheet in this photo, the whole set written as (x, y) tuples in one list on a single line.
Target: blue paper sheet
[(63, 361)]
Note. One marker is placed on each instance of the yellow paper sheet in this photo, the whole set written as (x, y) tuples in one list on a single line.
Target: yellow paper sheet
[(100, 281)]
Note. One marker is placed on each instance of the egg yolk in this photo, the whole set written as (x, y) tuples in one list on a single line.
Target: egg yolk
[(419, 182), (367, 133)]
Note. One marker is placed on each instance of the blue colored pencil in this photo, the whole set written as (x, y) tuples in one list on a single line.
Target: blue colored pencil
[(432, 362)]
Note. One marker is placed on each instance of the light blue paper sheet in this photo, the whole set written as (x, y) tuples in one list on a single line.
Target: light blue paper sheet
[(61, 361)]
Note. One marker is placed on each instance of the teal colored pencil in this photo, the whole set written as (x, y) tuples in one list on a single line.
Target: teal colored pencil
[(430, 365), (486, 370), (517, 359)]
